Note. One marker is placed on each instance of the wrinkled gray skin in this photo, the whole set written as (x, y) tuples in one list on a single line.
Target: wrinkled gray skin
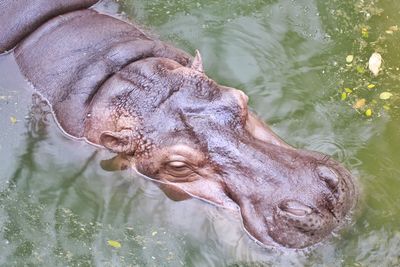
[(114, 86)]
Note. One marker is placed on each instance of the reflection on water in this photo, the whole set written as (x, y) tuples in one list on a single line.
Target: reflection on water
[(58, 207)]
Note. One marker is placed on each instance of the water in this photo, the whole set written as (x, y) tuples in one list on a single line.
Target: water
[(59, 208)]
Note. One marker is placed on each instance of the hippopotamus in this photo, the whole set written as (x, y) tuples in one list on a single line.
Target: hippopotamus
[(113, 85)]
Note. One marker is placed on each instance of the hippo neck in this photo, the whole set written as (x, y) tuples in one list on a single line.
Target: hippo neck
[(71, 56)]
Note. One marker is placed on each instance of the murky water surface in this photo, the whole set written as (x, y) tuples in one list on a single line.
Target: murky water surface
[(59, 208)]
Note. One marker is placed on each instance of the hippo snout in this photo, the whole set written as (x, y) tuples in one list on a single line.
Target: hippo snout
[(303, 197), (300, 220)]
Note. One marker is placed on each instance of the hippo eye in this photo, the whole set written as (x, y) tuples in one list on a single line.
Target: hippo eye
[(179, 169)]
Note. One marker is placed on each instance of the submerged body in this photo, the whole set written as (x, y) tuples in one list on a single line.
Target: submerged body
[(114, 86)]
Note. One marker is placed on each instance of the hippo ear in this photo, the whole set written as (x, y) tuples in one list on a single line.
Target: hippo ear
[(197, 63), (118, 142)]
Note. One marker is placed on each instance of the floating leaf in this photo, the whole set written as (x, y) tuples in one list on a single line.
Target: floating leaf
[(374, 63), (359, 103), (386, 107), (394, 28), (349, 58), (370, 86), (360, 69), (154, 233), (13, 120), (368, 112), (348, 90), (114, 244), (364, 32), (385, 95), (343, 96)]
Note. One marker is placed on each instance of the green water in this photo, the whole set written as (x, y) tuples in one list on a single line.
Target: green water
[(59, 208)]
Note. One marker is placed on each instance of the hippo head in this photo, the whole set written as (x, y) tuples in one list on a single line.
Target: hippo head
[(199, 138)]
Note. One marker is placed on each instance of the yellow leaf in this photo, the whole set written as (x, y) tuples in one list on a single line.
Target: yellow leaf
[(370, 86), (360, 69), (13, 120), (364, 32), (348, 90), (343, 96), (368, 112), (359, 103), (385, 95), (114, 244)]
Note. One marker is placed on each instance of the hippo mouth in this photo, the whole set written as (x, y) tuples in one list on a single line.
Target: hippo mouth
[(299, 221)]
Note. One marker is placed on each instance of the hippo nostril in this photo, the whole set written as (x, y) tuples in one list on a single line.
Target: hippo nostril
[(295, 208), (328, 176)]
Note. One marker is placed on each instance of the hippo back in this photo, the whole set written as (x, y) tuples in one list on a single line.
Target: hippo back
[(20, 17), (68, 52)]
